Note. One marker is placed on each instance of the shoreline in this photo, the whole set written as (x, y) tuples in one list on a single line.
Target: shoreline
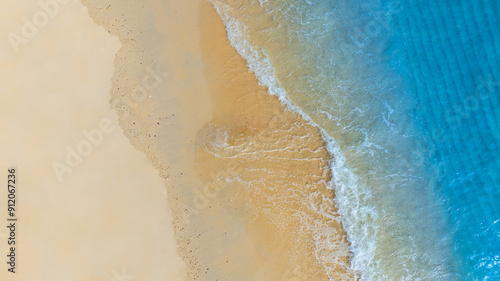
[(198, 125)]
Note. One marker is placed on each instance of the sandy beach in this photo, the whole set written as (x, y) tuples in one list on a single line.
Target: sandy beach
[(105, 216)]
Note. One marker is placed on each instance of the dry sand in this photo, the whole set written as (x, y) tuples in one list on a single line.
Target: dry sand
[(247, 179), (109, 218)]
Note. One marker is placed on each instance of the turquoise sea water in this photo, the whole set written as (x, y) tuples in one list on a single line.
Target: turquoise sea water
[(406, 94), (451, 62)]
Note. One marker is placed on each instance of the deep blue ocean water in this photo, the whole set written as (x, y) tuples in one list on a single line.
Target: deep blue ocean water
[(407, 95)]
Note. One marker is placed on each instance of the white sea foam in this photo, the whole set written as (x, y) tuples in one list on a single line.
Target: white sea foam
[(358, 217)]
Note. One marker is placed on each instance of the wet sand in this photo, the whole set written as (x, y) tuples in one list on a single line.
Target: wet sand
[(247, 179)]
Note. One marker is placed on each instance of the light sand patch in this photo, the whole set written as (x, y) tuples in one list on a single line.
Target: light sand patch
[(109, 217)]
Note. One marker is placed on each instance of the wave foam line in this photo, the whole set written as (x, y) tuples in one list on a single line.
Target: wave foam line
[(358, 217)]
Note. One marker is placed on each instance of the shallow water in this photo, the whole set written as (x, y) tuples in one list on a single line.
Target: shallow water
[(406, 95)]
